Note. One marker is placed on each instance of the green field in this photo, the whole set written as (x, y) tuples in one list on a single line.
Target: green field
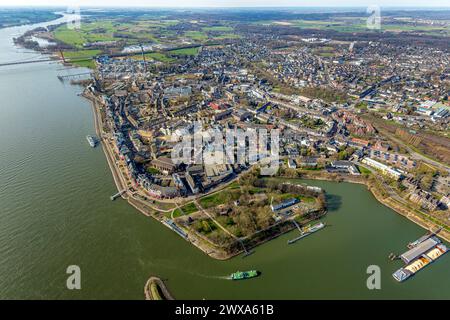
[(85, 64), (430, 30), (234, 185), (89, 32), (83, 56), (185, 210), (218, 28), (69, 36), (185, 52), (149, 29), (126, 32), (99, 31), (196, 35), (160, 57), (219, 198), (154, 55), (358, 24)]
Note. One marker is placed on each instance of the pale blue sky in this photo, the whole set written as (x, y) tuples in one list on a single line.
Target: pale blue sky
[(230, 3)]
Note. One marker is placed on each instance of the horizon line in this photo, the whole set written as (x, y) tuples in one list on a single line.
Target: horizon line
[(218, 7)]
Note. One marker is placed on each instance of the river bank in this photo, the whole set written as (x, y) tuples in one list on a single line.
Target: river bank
[(155, 289)]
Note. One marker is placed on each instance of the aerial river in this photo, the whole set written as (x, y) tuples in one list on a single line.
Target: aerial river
[(55, 211)]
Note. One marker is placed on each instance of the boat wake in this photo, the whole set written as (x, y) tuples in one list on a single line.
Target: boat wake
[(210, 276), (193, 273)]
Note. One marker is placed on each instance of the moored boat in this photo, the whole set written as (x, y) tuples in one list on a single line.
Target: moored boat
[(422, 258), (92, 141), (307, 231), (241, 275)]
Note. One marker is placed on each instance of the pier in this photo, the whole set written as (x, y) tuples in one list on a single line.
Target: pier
[(308, 230), (423, 238), (118, 194), (298, 226), (301, 233), (24, 62), (246, 252), (172, 225)]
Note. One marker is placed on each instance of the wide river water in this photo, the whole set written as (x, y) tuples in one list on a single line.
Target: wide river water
[(55, 211)]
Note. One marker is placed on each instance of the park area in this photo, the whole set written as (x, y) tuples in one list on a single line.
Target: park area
[(244, 208)]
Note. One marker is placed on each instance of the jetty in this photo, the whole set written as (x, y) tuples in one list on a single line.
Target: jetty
[(74, 76), (118, 194), (246, 252), (423, 238)]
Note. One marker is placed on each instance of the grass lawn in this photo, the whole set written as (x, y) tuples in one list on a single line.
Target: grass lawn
[(81, 54), (89, 32), (69, 36), (160, 57), (163, 205), (85, 64), (234, 185), (306, 199), (435, 30), (277, 198), (96, 31), (206, 226), (85, 55), (185, 210), (364, 170), (219, 198), (256, 190), (153, 170)]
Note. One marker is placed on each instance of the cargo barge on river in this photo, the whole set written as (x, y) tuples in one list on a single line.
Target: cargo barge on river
[(421, 253)]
